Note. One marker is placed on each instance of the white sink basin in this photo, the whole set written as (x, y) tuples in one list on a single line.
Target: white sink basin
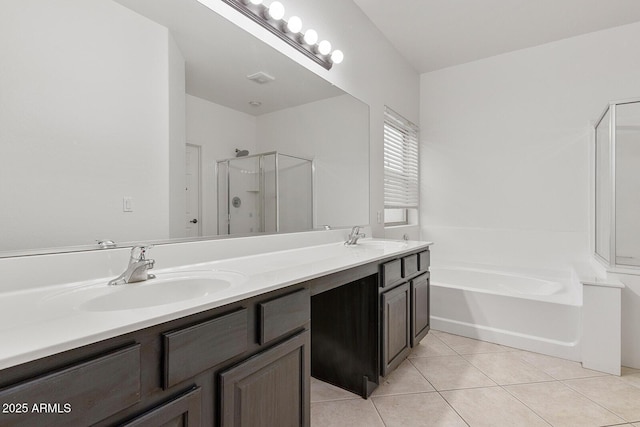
[(166, 288)]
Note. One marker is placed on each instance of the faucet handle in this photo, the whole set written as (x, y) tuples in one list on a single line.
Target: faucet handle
[(142, 255)]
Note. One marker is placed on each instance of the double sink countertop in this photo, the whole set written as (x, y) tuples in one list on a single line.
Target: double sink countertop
[(43, 321)]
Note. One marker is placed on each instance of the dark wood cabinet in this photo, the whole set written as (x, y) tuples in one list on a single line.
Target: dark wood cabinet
[(396, 341), (176, 373), (269, 389), (419, 308), (404, 307), (80, 394), (182, 411)]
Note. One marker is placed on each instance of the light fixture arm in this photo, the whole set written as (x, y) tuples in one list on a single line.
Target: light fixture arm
[(259, 14)]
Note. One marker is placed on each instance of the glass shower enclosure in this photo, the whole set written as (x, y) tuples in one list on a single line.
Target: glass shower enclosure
[(617, 184), (265, 193)]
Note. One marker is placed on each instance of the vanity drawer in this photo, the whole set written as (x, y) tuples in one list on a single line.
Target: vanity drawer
[(189, 351), (424, 260), (409, 265), (81, 394), (284, 314), (391, 273)]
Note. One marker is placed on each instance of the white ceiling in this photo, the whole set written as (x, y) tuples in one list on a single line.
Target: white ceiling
[(219, 56), (434, 34)]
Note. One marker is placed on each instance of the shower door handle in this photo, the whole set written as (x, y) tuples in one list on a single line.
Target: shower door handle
[(194, 221)]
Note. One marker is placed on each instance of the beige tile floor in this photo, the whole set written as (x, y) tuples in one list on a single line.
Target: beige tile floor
[(450, 380)]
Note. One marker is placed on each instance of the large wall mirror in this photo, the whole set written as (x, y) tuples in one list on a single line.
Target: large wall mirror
[(115, 115)]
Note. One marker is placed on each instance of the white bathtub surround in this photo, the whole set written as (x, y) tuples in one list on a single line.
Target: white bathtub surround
[(42, 317), (536, 311), (601, 319), (630, 318), (601, 328), (575, 315)]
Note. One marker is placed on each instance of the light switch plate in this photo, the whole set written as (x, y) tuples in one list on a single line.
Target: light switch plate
[(127, 204)]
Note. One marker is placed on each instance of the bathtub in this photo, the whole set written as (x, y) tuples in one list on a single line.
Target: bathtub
[(532, 311)]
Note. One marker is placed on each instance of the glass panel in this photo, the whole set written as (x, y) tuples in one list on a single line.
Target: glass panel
[(223, 199), (603, 189), (296, 202), (395, 216), (244, 195), (628, 184), (269, 207)]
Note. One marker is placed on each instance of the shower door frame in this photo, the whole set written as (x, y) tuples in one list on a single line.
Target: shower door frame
[(262, 188), (611, 108)]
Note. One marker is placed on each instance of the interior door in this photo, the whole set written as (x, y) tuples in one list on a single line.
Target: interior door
[(193, 217)]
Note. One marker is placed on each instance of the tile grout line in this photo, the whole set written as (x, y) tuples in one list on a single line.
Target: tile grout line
[(527, 406), (591, 400), (510, 394), (497, 385), (453, 409), (464, 356), (440, 394), (378, 412)]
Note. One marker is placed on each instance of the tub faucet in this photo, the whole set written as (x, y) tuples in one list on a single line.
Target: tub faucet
[(354, 236), (137, 270)]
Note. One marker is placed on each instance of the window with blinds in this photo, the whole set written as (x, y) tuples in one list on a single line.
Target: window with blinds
[(400, 167)]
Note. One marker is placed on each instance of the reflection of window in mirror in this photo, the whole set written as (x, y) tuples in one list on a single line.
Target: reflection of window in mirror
[(401, 169)]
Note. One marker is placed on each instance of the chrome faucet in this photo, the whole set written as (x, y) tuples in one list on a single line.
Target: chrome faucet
[(137, 270), (354, 236)]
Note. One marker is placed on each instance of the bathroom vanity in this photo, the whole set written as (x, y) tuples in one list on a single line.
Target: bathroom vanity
[(243, 358)]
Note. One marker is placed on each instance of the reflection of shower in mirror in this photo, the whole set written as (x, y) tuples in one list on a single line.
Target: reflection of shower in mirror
[(266, 193), (241, 153)]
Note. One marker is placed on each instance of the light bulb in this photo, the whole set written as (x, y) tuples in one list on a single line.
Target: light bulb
[(324, 47), (337, 56), (276, 10), (256, 2), (310, 37), (294, 25)]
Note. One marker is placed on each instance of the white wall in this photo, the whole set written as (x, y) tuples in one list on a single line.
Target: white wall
[(320, 131), (219, 131), (505, 154), (177, 141), (88, 127), (505, 144)]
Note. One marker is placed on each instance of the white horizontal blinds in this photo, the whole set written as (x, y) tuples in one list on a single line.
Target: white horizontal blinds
[(400, 162)]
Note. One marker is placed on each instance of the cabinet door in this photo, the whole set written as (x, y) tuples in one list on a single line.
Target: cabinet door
[(395, 327), (183, 411), (269, 389), (419, 308)]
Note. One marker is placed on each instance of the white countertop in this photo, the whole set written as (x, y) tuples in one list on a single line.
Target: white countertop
[(46, 320)]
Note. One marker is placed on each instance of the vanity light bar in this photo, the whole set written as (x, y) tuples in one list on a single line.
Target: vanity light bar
[(272, 18)]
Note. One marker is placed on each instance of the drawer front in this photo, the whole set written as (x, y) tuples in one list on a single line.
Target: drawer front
[(81, 394), (391, 273), (284, 314), (409, 265), (184, 410), (189, 351), (424, 260)]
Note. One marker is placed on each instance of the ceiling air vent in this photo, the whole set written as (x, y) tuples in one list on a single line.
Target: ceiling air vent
[(261, 77)]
